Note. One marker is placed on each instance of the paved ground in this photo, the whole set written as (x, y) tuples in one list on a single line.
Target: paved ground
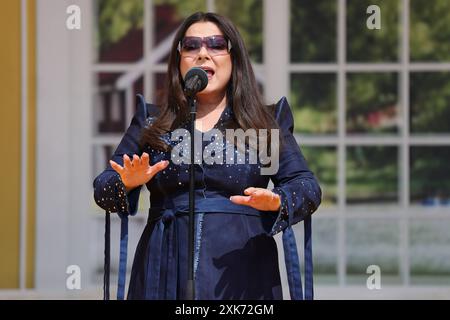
[(321, 293)]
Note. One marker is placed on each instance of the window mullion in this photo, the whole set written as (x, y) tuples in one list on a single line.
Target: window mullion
[(404, 158), (341, 166)]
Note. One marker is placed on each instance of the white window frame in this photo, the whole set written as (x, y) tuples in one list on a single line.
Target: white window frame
[(404, 212)]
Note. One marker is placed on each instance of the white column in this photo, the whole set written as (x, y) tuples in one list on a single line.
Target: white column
[(276, 49), (53, 145), (82, 240), (64, 124)]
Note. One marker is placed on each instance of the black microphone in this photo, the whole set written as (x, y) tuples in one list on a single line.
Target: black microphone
[(196, 80)]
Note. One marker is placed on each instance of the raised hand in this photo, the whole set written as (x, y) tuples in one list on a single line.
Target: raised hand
[(259, 198), (138, 171)]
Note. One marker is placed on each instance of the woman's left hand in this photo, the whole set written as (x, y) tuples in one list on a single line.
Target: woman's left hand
[(259, 198)]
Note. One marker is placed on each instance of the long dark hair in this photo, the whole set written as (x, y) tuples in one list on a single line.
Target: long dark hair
[(243, 94)]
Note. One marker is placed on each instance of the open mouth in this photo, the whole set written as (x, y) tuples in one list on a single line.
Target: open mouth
[(210, 72)]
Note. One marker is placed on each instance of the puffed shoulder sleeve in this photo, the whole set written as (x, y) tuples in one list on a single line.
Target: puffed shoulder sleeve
[(109, 190), (297, 186)]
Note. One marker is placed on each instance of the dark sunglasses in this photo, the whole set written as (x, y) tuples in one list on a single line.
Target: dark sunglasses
[(216, 45)]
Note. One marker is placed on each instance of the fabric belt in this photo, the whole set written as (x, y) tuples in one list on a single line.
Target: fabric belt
[(165, 228)]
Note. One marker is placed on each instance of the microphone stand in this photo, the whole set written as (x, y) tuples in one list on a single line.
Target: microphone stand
[(190, 288), (196, 80)]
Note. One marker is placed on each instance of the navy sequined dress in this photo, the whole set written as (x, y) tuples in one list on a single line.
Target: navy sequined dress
[(235, 253)]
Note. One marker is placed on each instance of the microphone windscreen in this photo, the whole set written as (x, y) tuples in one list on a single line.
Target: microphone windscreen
[(195, 80)]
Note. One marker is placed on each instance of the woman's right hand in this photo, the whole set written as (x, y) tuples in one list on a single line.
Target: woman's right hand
[(138, 171)]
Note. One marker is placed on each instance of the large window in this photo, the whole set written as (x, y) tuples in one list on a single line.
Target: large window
[(371, 110)]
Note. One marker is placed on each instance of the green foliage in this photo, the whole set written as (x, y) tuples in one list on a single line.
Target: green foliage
[(367, 94), (430, 102), (372, 174), (322, 161), (116, 18), (247, 15), (428, 167), (313, 99), (430, 30), (183, 8), (364, 44), (313, 30)]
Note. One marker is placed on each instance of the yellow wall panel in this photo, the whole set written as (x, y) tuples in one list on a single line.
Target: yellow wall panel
[(10, 61)]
